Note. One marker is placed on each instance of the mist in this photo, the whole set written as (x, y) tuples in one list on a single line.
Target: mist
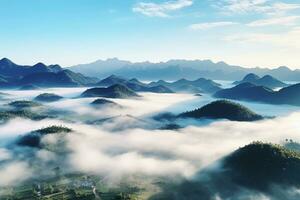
[(131, 142)]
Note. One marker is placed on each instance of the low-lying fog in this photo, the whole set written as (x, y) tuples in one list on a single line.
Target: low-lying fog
[(131, 142)]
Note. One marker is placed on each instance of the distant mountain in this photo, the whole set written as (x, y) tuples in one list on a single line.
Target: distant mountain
[(24, 104), (266, 81), (196, 86), (223, 109), (13, 75), (246, 91), (133, 84), (176, 69), (111, 80), (10, 69), (114, 91), (100, 68), (64, 78)]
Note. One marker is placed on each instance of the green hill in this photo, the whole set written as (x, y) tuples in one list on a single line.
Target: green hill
[(24, 104), (259, 165), (266, 81), (103, 102), (48, 97), (7, 115), (33, 139), (246, 91), (114, 91), (223, 109)]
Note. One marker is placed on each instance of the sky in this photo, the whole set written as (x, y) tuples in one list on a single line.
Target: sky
[(250, 33)]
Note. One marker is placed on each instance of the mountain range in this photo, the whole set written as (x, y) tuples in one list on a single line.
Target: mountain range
[(249, 92), (195, 86), (133, 84), (13, 75), (114, 91), (266, 81), (9, 68), (176, 69)]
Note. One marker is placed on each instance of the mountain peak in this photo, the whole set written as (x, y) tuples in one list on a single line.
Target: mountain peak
[(6, 61), (40, 64), (251, 76)]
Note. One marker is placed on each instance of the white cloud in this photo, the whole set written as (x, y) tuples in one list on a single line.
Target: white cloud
[(204, 26), (280, 7), (290, 39), (161, 9), (258, 6), (14, 173), (287, 21)]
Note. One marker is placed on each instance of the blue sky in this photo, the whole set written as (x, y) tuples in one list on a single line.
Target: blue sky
[(243, 32)]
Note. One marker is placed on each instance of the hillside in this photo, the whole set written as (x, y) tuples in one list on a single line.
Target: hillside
[(33, 139), (196, 86), (26, 114), (133, 84), (114, 91), (48, 97), (246, 91), (14, 75), (266, 81), (223, 109), (64, 78), (10, 69), (259, 165), (251, 172), (24, 104)]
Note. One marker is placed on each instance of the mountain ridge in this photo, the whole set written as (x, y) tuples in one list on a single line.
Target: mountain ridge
[(182, 68)]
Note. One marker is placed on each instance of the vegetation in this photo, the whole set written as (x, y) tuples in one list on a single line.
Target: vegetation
[(7, 115), (259, 165), (33, 139), (115, 91), (171, 127), (292, 145), (195, 86), (223, 109), (133, 84), (101, 102), (246, 91), (48, 97), (24, 104), (69, 187), (54, 129), (266, 81)]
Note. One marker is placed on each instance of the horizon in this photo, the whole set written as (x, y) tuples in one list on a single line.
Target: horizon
[(248, 33), (145, 61)]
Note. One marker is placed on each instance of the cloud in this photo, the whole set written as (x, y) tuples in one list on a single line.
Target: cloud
[(286, 21), (161, 9), (116, 154), (14, 173), (290, 39), (209, 25), (258, 6)]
